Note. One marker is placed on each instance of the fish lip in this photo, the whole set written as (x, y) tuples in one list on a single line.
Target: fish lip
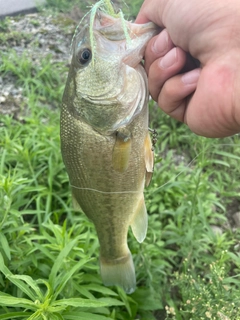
[(109, 25), (140, 35), (134, 35), (140, 29)]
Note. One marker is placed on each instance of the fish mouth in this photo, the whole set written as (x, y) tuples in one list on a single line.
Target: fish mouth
[(115, 28), (130, 39)]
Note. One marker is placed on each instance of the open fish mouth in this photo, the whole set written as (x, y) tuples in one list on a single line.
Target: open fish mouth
[(117, 35), (116, 28), (107, 39), (133, 37), (109, 33)]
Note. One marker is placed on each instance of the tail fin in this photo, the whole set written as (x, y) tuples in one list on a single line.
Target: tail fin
[(119, 272)]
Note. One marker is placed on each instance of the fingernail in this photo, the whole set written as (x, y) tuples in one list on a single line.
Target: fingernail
[(169, 59), (160, 45), (191, 77)]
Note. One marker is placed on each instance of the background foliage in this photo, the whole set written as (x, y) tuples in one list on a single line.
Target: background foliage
[(188, 266)]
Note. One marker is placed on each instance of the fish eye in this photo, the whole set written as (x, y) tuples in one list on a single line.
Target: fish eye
[(84, 56)]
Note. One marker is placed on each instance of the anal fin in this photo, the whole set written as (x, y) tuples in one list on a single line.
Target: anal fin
[(75, 204), (139, 223)]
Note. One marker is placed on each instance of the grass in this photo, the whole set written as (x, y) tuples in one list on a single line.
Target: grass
[(49, 253)]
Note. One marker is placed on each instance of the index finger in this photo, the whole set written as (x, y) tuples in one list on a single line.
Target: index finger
[(151, 10)]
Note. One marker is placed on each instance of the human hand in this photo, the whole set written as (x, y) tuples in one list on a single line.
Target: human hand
[(207, 99)]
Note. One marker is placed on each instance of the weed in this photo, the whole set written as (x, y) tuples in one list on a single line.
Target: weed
[(210, 297), (48, 252), (14, 37), (4, 24), (38, 78)]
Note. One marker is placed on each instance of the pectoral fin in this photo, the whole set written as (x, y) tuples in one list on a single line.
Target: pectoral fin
[(122, 150), (149, 159), (140, 222)]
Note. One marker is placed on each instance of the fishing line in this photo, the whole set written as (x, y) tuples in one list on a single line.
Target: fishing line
[(107, 7), (135, 192), (76, 30), (158, 188), (92, 13), (188, 165), (106, 192)]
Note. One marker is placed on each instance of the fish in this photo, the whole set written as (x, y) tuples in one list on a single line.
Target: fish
[(105, 141)]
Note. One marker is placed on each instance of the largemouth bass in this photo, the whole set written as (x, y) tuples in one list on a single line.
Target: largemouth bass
[(105, 141)]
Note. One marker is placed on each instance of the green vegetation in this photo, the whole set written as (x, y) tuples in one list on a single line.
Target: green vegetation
[(186, 268)]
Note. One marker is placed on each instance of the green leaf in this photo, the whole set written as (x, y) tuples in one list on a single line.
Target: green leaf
[(221, 162), (227, 154), (112, 301), (31, 283), (7, 300), (13, 315), (67, 275), (58, 263), (82, 291), (234, 257), (83, 316), (22, 286), (3, 268), (101, 289), (37, 316), (87, 303), (5, 246), (126, 299), (44, 250), (147, 299), (48, 293)]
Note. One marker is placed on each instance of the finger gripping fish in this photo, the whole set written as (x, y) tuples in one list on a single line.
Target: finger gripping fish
[(105, 142)]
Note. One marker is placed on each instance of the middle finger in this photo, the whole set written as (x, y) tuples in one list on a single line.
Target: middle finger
[(157, 47)]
